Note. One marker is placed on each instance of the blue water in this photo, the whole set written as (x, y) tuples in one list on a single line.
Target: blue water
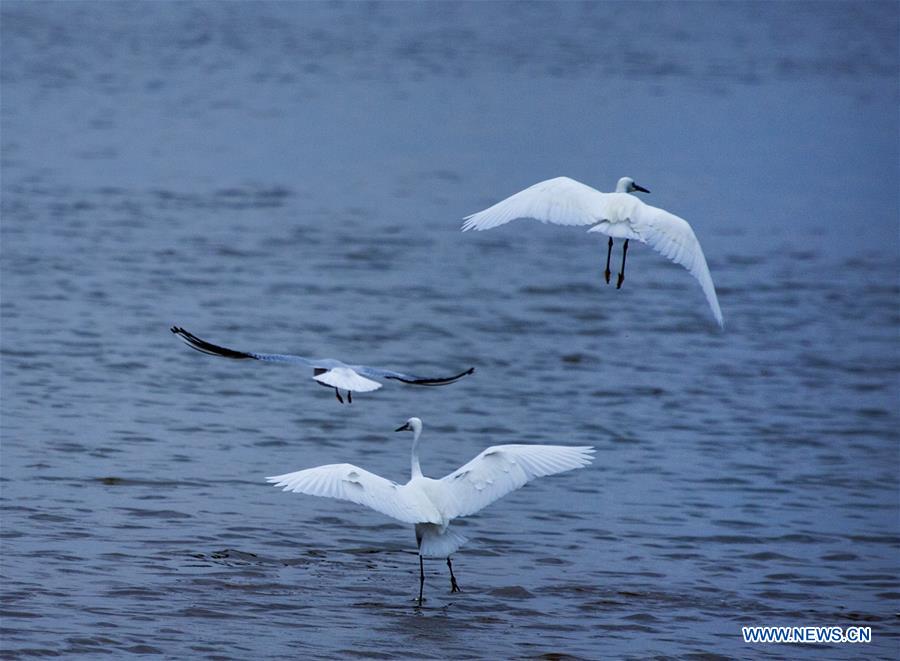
[(291, 177)]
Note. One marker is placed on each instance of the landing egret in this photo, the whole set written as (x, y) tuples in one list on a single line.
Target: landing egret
[(326, 371), (432, 504), (564, 201)]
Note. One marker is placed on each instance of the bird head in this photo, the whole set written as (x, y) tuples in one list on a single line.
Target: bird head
[(627, 185), (413, 424)]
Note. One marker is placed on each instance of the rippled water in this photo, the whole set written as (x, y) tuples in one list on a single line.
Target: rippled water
[(291, 177)]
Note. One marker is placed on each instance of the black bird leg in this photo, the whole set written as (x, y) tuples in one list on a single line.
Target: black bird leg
[(337, 393), (453, 586), (421, 578), (622, 272), (606, 273), (349, 397)]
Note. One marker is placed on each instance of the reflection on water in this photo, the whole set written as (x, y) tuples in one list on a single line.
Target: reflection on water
[(291, 177)]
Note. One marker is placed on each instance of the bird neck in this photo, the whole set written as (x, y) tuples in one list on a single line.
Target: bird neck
[(414, 464)]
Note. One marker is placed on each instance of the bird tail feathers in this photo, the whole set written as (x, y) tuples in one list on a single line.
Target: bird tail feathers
[(437, 543)]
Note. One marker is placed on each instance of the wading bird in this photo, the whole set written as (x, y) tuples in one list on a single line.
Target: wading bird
[(432, 504), (326, 371), (564, 201)]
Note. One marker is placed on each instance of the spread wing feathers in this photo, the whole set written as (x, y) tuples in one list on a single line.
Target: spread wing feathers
[(377, 372), (561, 201), (349, 482), (347, 379), (211, 349), (504, 468), (673, 237)]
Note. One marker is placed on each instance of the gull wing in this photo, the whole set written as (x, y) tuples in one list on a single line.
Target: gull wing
[(412, 379), (211, 349), (673, 237), (349, 482), (561, 201), (504, 468), (346, 378)]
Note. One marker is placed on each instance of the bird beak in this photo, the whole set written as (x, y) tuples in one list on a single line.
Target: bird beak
[(405, 427), (640, 188)]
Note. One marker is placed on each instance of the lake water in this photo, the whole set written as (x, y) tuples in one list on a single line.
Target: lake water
[(291, 177)]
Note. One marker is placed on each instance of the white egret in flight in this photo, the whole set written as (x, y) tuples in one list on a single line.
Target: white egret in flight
[(432, 504), (564, 201), (326, 371)]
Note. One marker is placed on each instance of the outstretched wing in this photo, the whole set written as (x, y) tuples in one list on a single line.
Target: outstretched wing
[(412, 379), (673, 237), (348, 482), (561, 201), (346, 378), (564, 201), (211, 349), (504, 468)]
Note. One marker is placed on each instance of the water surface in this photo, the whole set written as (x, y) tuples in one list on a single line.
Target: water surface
[(291, 177)]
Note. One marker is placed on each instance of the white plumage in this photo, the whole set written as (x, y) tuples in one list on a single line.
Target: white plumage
[(564, 201), (432, 504), (349, 482), (344, 378), (498, 471)]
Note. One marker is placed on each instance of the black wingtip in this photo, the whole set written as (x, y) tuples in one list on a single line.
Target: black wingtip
[(441, 381), (209, 348)]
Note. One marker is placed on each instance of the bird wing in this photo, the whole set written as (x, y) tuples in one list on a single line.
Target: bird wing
[(346, 378), (412, 379), (349, 482), (561, 201), (211, 349), (504, 468), (673, 237)]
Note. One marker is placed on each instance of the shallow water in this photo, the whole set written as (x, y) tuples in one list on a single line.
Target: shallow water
[(291, 177)]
